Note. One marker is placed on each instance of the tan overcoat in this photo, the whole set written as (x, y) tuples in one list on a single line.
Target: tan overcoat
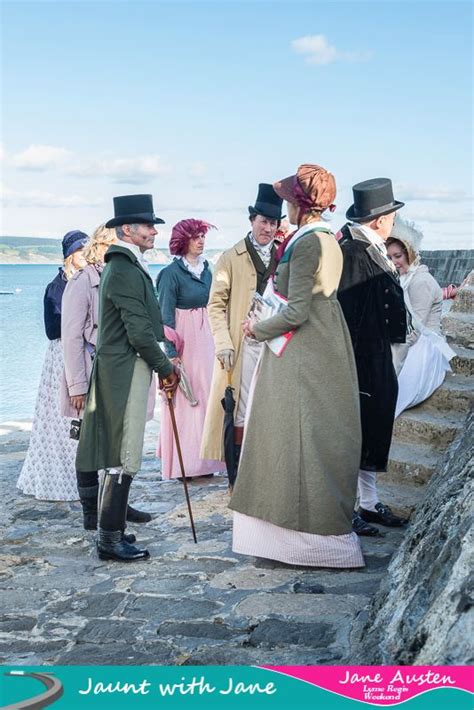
[(233, 285), (302, 444)]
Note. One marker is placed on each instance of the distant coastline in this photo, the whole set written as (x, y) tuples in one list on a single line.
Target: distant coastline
[(34, 250)]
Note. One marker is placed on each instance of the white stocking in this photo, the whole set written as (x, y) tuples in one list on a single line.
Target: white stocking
[(367, 489)]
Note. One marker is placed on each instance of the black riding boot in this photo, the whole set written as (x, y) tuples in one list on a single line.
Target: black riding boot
[(88, 496), (137, 516), (111, 544)]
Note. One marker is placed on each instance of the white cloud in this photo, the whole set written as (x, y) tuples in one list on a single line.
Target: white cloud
[(121, 170), (437, 194), (40, 157), (316, 49), (437, 215), (132, 171), (40, 198)]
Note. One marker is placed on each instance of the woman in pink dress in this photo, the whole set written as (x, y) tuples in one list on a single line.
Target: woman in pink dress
[(183, 292)]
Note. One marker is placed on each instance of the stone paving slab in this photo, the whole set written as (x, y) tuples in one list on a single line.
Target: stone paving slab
[(189, 604)]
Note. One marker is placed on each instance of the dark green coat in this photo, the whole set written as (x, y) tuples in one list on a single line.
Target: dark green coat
[(129, 325)]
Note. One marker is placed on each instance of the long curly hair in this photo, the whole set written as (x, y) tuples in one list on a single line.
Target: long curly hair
[(102, 235)]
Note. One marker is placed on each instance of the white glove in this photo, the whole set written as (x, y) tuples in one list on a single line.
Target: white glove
[(226, 359)]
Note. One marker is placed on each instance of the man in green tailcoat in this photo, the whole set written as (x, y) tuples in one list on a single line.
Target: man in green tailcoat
[(130, 327)]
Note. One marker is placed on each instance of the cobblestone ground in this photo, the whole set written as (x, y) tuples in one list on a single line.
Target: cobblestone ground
[(188, 605)]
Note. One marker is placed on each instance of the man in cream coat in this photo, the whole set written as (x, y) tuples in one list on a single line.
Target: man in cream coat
[(240, 272)]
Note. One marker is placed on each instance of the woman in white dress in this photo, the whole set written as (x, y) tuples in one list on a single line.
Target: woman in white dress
[(49, 472), (421, 362)]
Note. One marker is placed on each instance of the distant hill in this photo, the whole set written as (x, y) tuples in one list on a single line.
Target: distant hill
[(34, 250), (29, 250)]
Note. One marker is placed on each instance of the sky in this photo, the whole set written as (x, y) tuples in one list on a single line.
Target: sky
[(198, 102)]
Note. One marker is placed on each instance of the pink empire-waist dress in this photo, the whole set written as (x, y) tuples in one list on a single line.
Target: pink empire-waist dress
[(197, 357)]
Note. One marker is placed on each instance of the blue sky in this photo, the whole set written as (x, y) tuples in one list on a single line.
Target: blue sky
[(197, 102)]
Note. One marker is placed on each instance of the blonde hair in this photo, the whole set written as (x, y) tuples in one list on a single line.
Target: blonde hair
[(102, 235), (69, 268)]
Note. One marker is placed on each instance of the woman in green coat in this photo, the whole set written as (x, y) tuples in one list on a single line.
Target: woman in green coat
[(296, 487)]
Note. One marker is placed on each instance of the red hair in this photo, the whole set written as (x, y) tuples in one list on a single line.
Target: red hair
[(184, 231)]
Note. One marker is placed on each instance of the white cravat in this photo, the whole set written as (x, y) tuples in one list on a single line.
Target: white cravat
[(264, 251)]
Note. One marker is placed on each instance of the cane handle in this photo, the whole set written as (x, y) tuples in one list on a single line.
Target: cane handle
[(168, 394)]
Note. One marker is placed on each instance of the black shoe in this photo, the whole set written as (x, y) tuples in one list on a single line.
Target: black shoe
[(383, 516), (137, 516), (113, 546), (360, 527)]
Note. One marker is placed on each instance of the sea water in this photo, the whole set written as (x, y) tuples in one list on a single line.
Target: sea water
[(23, 340)]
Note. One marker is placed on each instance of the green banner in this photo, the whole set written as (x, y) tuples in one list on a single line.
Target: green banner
[(210, 687)]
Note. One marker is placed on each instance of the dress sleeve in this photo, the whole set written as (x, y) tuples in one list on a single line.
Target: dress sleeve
[(74, 311), (422, 292), (52, 314), (218, 305), (303, 265), (167, 288)]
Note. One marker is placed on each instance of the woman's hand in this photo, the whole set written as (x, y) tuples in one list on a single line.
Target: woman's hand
[(247, 327), (78, 401), (176, 361)]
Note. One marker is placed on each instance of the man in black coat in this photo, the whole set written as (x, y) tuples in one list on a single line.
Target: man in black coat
[(372, 300)]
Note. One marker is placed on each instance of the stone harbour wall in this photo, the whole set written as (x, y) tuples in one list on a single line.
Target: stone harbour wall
[(423, 611), (449, 266)]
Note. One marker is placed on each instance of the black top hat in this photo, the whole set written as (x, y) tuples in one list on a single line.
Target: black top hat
[(268, 203), (372, 198), (133, 209)]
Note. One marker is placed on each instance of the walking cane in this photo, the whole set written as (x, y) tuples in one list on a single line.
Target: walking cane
[(180, 457)]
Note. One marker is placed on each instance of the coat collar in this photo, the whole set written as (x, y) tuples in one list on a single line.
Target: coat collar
[(241, 247), (372, 251), (117, 249), (93, 274)]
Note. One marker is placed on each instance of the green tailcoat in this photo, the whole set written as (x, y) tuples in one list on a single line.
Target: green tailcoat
[(130, 326)]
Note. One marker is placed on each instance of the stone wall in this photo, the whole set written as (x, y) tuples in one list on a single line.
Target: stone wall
[(458, 323), (422, 614), (449, 266)]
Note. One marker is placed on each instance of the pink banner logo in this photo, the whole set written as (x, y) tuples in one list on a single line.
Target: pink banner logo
[(381, 685)]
